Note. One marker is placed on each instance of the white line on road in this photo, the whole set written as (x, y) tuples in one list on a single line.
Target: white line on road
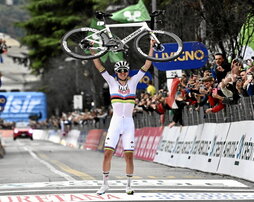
[(114, 190), (209, 183), (50, 167)]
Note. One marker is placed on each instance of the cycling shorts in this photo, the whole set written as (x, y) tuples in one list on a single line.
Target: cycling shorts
[(120, 127)]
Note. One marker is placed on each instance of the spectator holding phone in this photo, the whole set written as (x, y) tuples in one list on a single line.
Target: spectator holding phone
[(249, 84)]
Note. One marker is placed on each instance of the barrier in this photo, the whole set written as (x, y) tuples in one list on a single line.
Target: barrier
[(147, 140), (237, 157), (226, 148), (40, 134), (93, 139), (55, 136), (6, 133)]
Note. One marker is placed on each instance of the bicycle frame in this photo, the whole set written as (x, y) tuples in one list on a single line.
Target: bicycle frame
[(143, 27)]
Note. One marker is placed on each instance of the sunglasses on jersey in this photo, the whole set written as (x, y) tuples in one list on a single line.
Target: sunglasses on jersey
[(122, 70)]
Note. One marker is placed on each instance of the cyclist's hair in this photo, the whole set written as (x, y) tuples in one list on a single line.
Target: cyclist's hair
[(122, 65)]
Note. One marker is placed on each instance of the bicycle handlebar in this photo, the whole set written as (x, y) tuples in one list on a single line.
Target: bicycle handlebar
[(101, 15), (157, 13)]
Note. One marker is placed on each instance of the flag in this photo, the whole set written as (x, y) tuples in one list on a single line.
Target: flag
[(134, 13), (172, 89), (247, 38), (113, 56)]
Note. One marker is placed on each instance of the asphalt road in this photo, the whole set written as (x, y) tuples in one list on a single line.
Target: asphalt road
[(43, 171)]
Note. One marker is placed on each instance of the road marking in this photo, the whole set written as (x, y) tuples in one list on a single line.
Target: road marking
[(117, 190), (223, 196), (50, 167), (122, 183), (67, 169)]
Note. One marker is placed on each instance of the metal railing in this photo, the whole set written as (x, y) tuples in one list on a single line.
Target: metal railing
[(244, 110)]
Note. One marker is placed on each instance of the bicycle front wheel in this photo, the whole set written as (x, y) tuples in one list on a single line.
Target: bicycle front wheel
[(142, 45), (78, 43)]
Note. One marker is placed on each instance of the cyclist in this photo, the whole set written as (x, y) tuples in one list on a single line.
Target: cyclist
[(122, 92)]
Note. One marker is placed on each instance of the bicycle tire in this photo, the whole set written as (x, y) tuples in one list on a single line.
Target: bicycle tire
[(142, 44), (71, 44)]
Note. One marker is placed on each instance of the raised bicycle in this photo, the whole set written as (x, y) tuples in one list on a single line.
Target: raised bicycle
[(78, 42)]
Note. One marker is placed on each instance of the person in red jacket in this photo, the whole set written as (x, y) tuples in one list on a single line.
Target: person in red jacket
[(214, 99)]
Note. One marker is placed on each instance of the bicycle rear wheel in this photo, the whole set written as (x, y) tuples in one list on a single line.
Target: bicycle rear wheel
[(142, 45), (78, 43)]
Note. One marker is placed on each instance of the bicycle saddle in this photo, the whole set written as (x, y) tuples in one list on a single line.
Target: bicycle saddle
[(100, 15)]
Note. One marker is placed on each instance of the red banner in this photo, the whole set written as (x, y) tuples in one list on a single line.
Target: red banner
[(93, 139)]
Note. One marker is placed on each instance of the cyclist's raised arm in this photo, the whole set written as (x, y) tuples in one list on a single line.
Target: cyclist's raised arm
[(98, 65), (148, 63)]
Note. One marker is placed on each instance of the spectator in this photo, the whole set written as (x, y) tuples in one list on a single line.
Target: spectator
[(151, 90), (249, 84), (228, 88), (3, 49), (214, 98), (220, 68), (180, 102)]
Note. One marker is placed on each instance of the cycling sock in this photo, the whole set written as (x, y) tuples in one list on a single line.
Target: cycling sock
[(129, 176), (105, 178)]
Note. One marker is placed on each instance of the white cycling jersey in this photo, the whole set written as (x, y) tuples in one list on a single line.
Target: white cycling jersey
[(123, 97), (122, 100)]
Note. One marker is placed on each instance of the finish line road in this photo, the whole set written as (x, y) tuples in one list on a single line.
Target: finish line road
[(41, 171)]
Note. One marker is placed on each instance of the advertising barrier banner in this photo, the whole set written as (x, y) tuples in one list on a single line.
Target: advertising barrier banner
[(148, 139), (170, 145), (237, 156), (93, 139)]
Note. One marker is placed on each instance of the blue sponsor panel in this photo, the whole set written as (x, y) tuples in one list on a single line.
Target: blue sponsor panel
[(194, 56), (143, 83), (21, 106)]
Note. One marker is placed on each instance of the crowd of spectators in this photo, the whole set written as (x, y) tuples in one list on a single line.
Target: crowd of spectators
[(223, 83)]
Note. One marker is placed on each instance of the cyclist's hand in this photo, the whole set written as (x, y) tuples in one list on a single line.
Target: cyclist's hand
[(152, 42), (91, 48)]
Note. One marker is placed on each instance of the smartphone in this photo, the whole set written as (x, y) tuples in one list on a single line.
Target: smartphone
[(249, 77)]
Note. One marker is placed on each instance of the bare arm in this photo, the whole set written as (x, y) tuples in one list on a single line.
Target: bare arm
[(98, 65), (148, 63)]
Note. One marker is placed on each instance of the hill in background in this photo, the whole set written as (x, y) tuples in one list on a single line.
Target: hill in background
[(11, 14)]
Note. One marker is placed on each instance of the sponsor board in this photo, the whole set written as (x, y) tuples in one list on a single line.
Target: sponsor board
[(237, 156)]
